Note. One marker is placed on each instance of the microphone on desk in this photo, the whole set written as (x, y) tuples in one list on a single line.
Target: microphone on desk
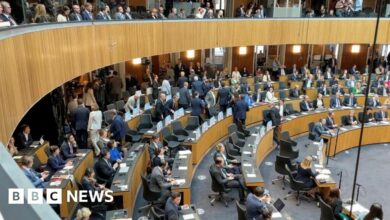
[(358, 190), (341, 177)]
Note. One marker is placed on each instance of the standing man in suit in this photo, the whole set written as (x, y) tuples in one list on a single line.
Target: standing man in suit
[(305, 105), (382, 114), (332, 63), (6, 15), (179, 67), (105, 171), (94, 125), (75, 15), (24, 137), (182, 79), (274, 116), (210, 101), (335, 102), (223, 97), (159, 183), (80, 121), (320, 129), (116, 86), (198, 86), (172, 208), (197, 106), (228, 180), (118, 127), (350, 100), (87, 14), (55, 161), (255, 203), (240, 108), (171, 106), (330, 123), (39, 180), (69, 147), (160, 109), (184, 96)]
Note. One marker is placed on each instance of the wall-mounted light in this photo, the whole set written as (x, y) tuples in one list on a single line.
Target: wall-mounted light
[(137, 61), (242, 51), (355, 49), (190, 54), (296, 49)]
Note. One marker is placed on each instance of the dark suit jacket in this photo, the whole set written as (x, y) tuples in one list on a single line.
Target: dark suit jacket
[(318, 130), (55, 163), (254, 207), (333, 102), (371, 103), (198, 86), (347, 101), (104, 172), (181, 81), (380, 90), (171, 210), (3, 17), (323, 91), (159, 110), (168, 106), (85, 16), (294, 93), (216, 172), (23, 142), (378, 116), (73, 17), (329, 122), (336, 89), (315, 103), (184, 96), (239, 110), (223, 96), (65, 150), (118, 128), (197, 106), (80, 118), (178, 69), (157, 181), (304, 107), (348, 120), (274, 116), (293, 77)]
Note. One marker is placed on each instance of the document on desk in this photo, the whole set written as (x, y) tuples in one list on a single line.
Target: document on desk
[(123, 169), (55, 183), (318, 166), (251, 175), (343, 129), (180, 181), (184, 152), (68, 167), (182, 168), (183, 157), (276, 215), (246, 152), (122, 165), (322, 177), (189, 216), (324, 171), (247, 165), (304, 113)]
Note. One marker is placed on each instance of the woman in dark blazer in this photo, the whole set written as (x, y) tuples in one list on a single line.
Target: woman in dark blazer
[(335, 203), (305, 174), (55, 161)]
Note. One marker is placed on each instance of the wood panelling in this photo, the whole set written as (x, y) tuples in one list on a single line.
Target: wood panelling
[(186, 61), (136, 70), (242, 61), (37, 61), (295, 58), (349, 59)]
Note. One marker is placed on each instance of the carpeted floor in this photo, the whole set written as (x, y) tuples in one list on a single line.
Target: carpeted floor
[(372, 176)]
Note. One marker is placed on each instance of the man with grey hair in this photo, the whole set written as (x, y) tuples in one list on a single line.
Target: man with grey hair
[(119, 14), (173, 14), (6, 15)]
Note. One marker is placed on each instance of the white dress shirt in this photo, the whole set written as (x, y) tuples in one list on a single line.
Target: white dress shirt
[(95, 120)]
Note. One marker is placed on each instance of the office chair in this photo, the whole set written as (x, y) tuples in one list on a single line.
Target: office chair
[(120, 105), (237, 143), (145, 123), (220, 190), (287, 150), (280, 168), (312, 135), (282, 94), (108, 117), (286, 137), (233, 128), (178, 130), (192, 123), (297, 186), (326, 210), (344, 120), (282, 85), (241, 211), (132, 135), (169, 140), (232, 153), (157, 214), (290, 109), (150, 196), (111, 106), (98, 208), (360, 117)]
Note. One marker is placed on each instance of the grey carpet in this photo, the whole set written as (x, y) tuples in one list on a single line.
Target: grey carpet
[(372, 176)]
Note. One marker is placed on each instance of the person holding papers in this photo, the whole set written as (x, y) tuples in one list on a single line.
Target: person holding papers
[(171, 106), (55, 161), (172, 208), (132, 103), (382, 114)]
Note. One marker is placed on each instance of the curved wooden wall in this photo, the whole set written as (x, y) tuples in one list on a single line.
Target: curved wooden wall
[(35, 62)]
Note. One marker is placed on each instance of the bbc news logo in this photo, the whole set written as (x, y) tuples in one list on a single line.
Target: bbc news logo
[(54, 196)]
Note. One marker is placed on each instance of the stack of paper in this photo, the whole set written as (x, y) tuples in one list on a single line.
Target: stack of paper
[(180, 181), (182, 168), (322, 177), (324, 171), (183, 152), (123, 169), (251, 175), (189, 216), (246, 152), (183, 157)]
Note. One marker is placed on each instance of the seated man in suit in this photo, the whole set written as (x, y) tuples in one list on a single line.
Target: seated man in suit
[(338, 88), (382, 114), (295, 92), (172, 208), (350, 100), (69, 147), (335, 102), (283, 110), (55, 161), (320, 129), (198, 107), (159, 183), (39, 180), (89, 182), (24, 139), (105, 171), (305, 105), (155, 143), (351, 119), (383, 90), (229, 165), (324, 90), (330, 123), (374, 101), (228, 180), (171, 106), (255, 203), (369, 116), (294, 76)]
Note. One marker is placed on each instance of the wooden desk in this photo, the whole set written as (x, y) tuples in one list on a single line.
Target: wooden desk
[(37, 152), (137, 163), (80, 164), (183, 160)]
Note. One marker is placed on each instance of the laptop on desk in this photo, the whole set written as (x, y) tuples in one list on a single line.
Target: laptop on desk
[(37, 143)]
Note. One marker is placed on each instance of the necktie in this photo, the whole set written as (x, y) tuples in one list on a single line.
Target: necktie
[(337, 103), (11, 20), (71, 148), (383, 115), (307, 105), (223, 173), (350, 101)]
